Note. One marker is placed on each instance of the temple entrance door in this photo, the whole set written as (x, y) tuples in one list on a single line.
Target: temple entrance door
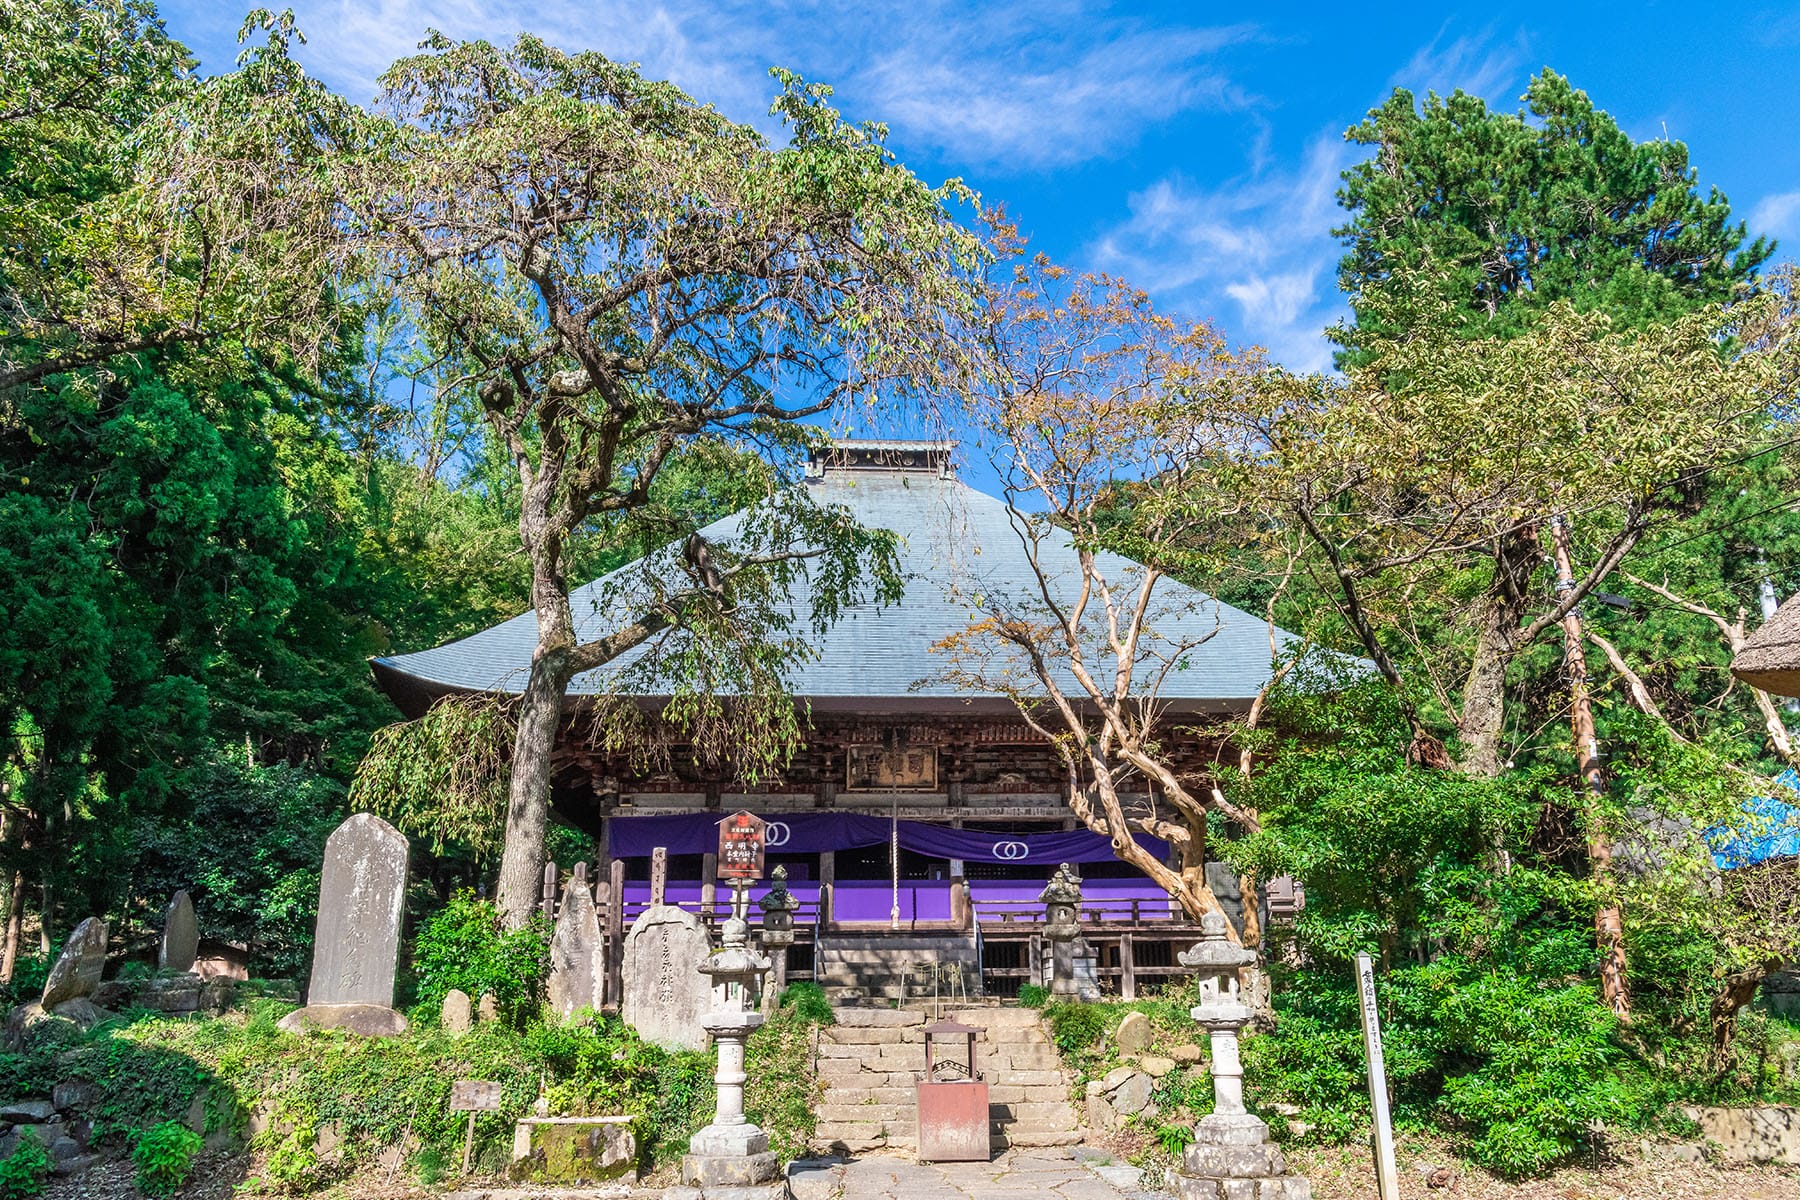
[(865, 892)]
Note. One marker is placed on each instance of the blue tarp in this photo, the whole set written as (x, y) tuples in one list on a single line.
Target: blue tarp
[(1772, 829)]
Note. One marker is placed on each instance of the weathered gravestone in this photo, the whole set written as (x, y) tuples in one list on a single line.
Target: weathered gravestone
[(488, 1009), (78, 969), (181, 935), (665, 993), (357, 940), (457, 1015), (577, 967)]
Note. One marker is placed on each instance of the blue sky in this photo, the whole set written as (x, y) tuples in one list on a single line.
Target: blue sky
[(1193, 149)]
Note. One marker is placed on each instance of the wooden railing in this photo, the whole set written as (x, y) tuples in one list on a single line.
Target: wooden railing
[(1006, 915)]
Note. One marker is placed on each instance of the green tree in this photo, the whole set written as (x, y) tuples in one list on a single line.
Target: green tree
[(1517, 211), (615, 273)]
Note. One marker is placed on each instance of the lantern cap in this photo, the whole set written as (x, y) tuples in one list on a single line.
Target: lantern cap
[(1213, 954)]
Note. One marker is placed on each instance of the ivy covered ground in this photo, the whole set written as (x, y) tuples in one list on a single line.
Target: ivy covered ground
[(1542, 1100), (285, 1114)]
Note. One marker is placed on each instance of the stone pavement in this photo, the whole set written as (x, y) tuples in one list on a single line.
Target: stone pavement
[(1051, 1173)]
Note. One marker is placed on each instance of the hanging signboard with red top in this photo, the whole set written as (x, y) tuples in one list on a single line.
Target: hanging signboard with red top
[(742, 837)]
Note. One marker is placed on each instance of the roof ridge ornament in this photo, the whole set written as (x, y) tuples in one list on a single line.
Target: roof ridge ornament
[(883, 454)]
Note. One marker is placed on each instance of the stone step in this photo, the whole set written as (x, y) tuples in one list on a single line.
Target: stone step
[(1047, 1116), (835, 1112), (850, 1018), (1024, 1138)]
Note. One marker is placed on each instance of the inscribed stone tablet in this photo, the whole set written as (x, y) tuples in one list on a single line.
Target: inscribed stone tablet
[(181, 935), (665, 993), (577, 967), (79, 966), (362, 898)]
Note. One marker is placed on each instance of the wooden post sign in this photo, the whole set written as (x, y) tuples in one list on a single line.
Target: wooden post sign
[(742, 836), (1387, 1176), (473, 1096)]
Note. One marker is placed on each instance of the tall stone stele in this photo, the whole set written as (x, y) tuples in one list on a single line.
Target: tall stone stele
[(731, 1155), (356, 944), (577, 964), (665, 995), (1231, 1156), (180, 937)]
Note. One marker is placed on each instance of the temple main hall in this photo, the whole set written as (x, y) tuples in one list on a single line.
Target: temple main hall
[(919, 822)]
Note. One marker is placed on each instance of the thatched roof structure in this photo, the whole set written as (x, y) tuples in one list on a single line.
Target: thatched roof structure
[(1770, 658)]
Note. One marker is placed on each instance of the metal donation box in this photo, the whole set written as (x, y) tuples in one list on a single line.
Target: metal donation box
[(953, 1101)]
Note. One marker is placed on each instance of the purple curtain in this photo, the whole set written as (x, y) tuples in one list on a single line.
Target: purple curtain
[(810, 833)]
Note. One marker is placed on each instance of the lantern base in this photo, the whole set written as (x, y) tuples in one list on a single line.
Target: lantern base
[(1232, 1158)]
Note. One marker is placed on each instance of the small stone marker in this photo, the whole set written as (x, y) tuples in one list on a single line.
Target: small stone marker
[(362, 900), (665, 993), (1133, 1035), (456, 1017), (78, 969), (577, 969), (180, 937), (488, 1009)]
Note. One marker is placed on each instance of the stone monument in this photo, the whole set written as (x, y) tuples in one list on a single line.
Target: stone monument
[(730, 1154), (180, 937), (665, 993), (79, 967), (362, 900), (577, 966), (1231, 1155), (69, 991)]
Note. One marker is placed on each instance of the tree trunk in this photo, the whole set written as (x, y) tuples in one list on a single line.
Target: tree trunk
[(15, 924), (1737, 990), (1609, 924), (539, 722), (1484, 691)]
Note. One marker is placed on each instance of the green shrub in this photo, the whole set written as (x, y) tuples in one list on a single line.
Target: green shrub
[(783, 1087), (1033, 995), (164, 1155), (1076, 1027), (463, 946), (1174, 1138), (22, 1172), (808, 1002)]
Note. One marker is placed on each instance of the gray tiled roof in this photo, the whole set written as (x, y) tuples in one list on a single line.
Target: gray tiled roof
[(956, 543)]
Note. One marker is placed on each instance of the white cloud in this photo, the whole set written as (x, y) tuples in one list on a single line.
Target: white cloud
[(1027, 84), (1777, 216), (1046, 95), (1474, 63), (1255, 253)]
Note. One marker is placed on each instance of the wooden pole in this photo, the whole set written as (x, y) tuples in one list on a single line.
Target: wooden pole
[(615, 934), (1127, 968), (1387, 1177), (469, 1143)]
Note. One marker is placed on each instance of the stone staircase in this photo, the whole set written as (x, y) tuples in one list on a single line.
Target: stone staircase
[(855, 969), (869, 1061)]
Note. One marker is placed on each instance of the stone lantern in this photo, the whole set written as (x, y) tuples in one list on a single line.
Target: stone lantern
[(731, 1152), (1231, 1154), (1061, 899), (778, 926)]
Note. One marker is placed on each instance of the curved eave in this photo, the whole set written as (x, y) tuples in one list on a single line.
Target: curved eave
[(413, 694)]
